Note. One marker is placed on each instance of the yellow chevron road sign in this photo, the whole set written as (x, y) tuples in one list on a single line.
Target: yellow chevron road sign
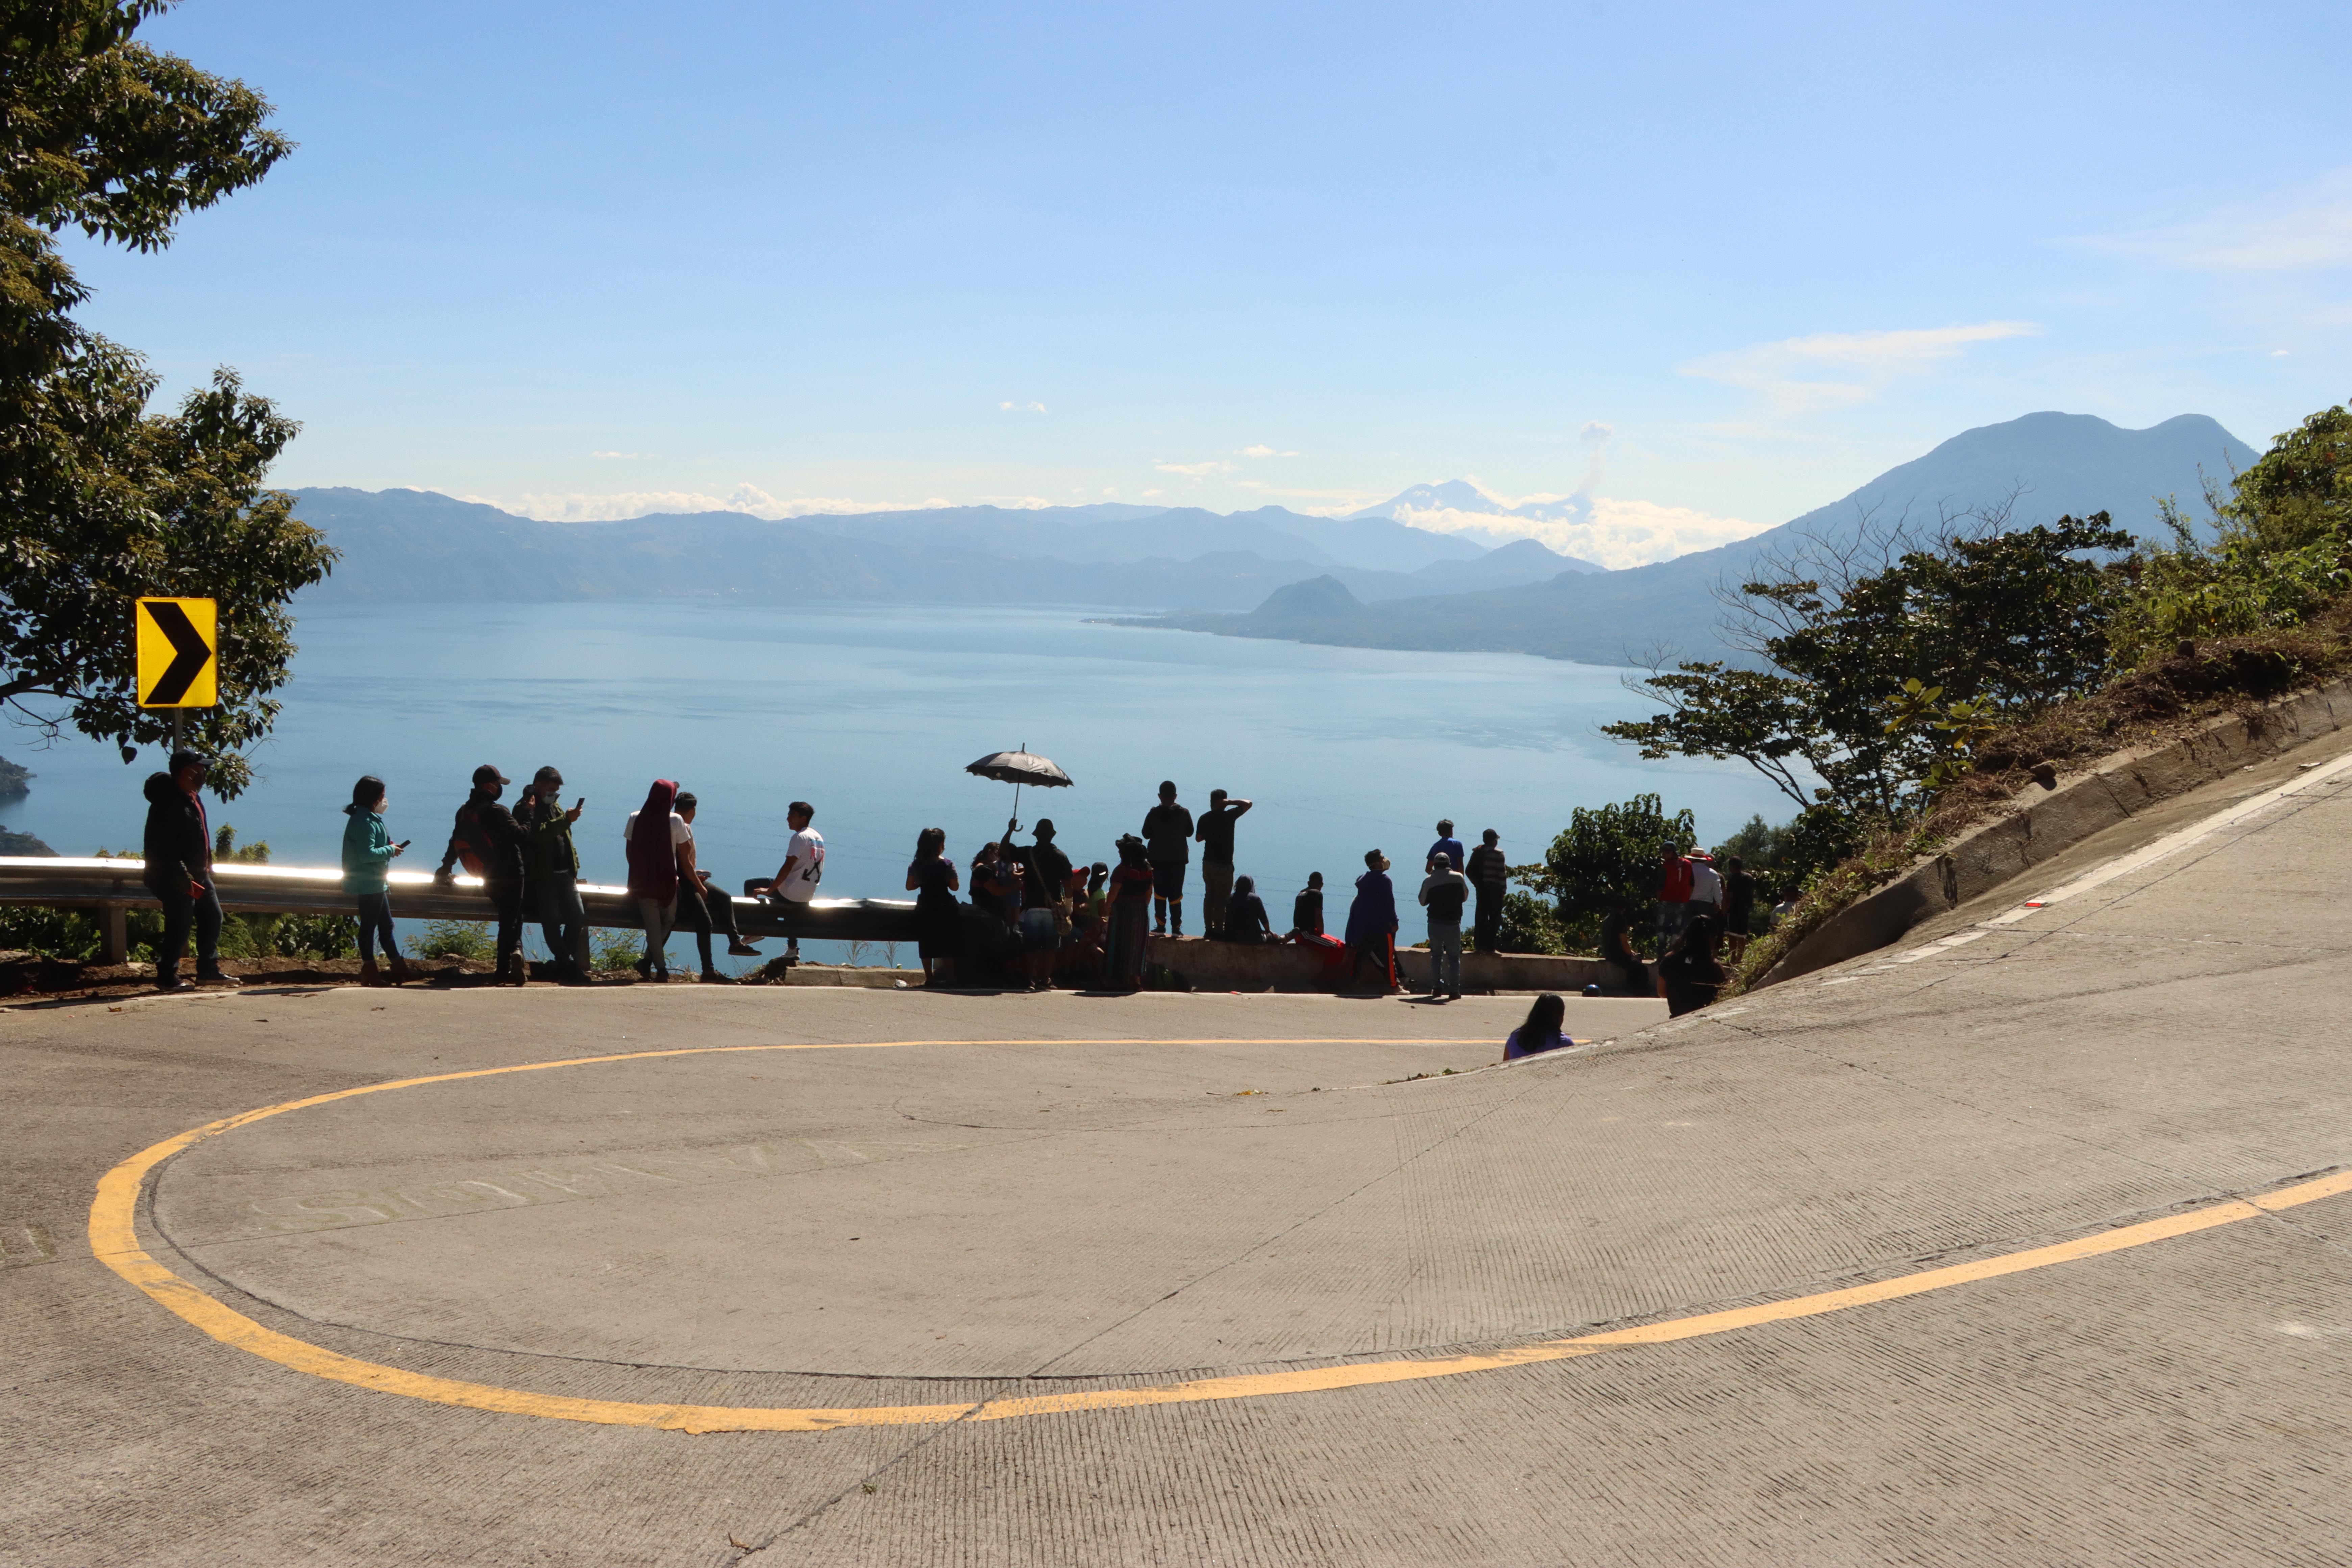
[(179, 641)]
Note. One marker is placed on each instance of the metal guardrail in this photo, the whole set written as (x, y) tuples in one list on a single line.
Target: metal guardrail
[(113, 887)]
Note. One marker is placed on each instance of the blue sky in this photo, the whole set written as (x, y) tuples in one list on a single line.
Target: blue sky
[(1712, 265)]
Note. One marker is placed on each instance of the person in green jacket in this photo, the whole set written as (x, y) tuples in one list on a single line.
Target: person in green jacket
[(368, 854), (550, 869)]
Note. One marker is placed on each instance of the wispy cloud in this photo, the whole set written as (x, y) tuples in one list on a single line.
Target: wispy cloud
[(1262, 450), (2303, 229), (1608, 531), (624, 454), (746, 497), (1023, 407), (1194, 470), (1838, 370)]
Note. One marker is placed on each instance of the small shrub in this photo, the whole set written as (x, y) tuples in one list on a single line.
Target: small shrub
[(616, 949), (469, 939)]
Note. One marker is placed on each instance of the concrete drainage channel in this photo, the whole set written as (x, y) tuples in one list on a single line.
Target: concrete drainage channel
[(2123, 786)]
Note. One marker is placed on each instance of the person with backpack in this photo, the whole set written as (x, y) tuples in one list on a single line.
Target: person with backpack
[(368, 855), (488, 842), (1445, 892)]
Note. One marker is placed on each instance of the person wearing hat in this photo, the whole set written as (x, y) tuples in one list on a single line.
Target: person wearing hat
[(1707, 886), (179, 872), (551, 870), (490, 842), (1045, 903)]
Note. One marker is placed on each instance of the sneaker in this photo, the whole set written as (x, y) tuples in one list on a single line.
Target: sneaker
[(712, 977), (645, 968), (169, 983), (216, 978), (737, 948)]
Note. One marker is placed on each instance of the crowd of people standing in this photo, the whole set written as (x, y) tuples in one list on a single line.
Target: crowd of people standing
[(1027, 913)]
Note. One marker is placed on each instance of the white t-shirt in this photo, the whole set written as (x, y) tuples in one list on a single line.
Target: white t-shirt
[(1706, 884), (807, 850), (679, 832)]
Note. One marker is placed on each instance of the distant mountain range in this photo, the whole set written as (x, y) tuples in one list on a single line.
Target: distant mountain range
[(1367, 580), (2052, 464), (420, 545)]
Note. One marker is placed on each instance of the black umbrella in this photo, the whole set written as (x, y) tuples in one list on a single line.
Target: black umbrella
[(1018, 768)]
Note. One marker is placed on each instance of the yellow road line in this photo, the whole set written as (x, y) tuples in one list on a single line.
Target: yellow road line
[(113, 1236)]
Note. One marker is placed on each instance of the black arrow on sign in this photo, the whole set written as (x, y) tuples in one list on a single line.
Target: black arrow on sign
[(190, 654)]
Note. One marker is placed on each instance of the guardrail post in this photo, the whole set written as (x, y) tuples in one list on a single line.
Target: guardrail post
[(114, 947)]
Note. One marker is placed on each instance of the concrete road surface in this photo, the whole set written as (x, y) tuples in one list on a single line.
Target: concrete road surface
[(2018, 1244)]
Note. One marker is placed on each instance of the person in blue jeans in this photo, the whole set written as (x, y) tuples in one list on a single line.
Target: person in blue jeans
[(368, 855), (1443, 894)]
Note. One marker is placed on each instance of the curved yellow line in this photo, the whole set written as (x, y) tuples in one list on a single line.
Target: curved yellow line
[(113, 1236)]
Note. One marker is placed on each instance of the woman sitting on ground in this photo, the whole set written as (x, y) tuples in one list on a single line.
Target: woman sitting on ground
[(1245, 918), (1541, 1031), (933, 880), (1688, 966)]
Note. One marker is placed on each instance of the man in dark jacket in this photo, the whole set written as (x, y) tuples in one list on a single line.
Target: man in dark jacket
[(489, 840), (179, 848), (551, 865), (1490, 878)]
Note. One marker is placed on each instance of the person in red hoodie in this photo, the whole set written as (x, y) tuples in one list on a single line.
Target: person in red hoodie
[(653, 834), (1674, 894)]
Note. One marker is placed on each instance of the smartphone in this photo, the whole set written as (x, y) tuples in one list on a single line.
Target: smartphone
[(403, 844)]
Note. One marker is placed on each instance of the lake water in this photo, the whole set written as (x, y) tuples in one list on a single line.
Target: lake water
[(871, 713)]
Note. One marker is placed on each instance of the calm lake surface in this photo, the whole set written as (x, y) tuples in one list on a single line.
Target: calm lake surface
[(871, 713)]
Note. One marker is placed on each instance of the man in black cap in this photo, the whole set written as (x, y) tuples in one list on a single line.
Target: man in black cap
[(551, 870), (489, 840), (179, 849)]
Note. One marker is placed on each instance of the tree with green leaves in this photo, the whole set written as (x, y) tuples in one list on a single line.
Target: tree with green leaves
[(106, 502), (1607, 856), (1997, 620), (2280, 549)]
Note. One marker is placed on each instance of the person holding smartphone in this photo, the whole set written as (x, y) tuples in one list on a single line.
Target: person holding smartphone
[(368, 855), (551, 870)]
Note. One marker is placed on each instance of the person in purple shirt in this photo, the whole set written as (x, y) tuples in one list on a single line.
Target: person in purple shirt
[(1446, 845), (1541, 1031), (1372, 922)]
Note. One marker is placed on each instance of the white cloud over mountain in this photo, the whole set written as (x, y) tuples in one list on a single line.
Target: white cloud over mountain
[(1603, 530), (619, 506)]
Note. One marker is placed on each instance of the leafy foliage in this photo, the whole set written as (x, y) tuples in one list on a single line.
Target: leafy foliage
[(1997, 619), (2282, 547), (1607, 855), (615, 949), (105, 502), (456, 938)]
